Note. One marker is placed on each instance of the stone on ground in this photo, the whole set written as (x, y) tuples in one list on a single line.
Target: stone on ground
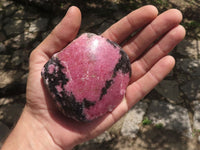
[(104, 137), (14, 27), (196, 118), (189, 48), (192, 89), (10, 114), (170, 90), (152, 138), (172, 117), (4, 131), (39, 24), (189, 66), (133, 120)]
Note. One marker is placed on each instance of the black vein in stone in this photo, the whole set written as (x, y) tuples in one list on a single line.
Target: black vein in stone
[(87, 104), (123, 64), (112, 43), (105, 88), (67, 100)]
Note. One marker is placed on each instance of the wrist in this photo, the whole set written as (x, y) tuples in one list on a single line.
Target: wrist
[(29, 134)]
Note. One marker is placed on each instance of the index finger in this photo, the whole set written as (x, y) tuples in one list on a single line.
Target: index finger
[(137, 19)]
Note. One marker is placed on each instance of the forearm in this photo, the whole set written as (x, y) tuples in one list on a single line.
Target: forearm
[(29, 134)]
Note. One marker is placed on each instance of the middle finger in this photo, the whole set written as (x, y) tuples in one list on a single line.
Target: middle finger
[(156, 29)]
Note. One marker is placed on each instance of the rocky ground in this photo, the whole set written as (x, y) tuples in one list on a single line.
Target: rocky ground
[(166, 119)]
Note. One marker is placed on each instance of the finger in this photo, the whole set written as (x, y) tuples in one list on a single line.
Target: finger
[(159, 50), (62, 34), (130, 23), (137, 90), (162, 24)]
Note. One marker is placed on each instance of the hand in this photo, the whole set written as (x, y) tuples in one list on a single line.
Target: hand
[(149, 62)]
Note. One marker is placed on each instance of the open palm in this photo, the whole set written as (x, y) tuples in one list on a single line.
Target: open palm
[(149, 62)]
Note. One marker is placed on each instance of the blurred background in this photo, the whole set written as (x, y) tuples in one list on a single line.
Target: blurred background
[(168, 118)]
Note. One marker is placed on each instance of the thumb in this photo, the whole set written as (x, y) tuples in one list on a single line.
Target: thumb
[(61, 35)]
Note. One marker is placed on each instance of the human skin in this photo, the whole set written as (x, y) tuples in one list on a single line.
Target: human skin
[(41, 126)]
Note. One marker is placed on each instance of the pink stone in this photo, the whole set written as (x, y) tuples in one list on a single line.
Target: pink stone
[(88, 78)]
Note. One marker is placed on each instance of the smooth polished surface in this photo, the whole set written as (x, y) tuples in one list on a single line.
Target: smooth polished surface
[(88, 78)]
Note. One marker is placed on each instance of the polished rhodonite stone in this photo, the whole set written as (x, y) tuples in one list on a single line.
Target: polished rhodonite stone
[(88, 78)]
